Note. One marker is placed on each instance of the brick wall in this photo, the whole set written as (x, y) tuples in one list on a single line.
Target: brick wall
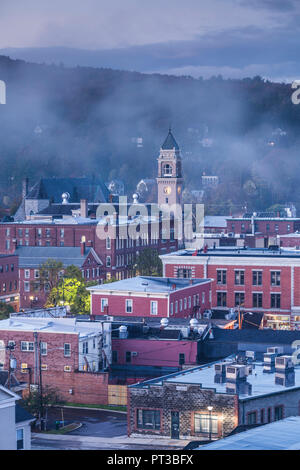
[(189, 400)]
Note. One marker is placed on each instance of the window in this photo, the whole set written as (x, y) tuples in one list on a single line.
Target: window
[(239, 278), (128, 305), (128, 356), (204, 423), (44, 367), (176, 306), (180, 305), (27, 273), (67, 368), (190, 301), (47, 232), (262, 416), (257, 300), (256, 278), (62, 233), (108, 243), (43, 347), (221, 276), (203, 297), (269, 415), (185, 303), (114, 357), (148, 419), (171, 308), (85, 347), (104, 303), (108, 261), (26, 286), (20, 439), (251, 418), (181, 358), (278, 413), (275, 278), (185, 273), (239, 298), (27, 346), (153, 307), (275, 300), (36, 273), (12, 267), (221, 299), (67, 349), (11, 344)]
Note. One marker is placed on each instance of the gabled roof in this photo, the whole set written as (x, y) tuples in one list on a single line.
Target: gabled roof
[(94, 190), (170, 142), (34, 256), (22, 415)]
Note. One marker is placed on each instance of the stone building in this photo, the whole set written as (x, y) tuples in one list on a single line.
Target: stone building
[(211, 401)]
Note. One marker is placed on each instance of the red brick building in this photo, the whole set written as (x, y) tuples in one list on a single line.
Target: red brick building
[(68, 354), (256, 280), (9, 285), (146, 296)]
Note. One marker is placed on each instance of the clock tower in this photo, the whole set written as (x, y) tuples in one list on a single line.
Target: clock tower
[(169, 179)]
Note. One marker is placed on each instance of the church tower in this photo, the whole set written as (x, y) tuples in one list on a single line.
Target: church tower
[(169, 180)]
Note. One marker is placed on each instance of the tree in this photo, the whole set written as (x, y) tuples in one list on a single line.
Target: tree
[(5, 310), (50, 273), (148, 263), (38, 404), (73, 293)]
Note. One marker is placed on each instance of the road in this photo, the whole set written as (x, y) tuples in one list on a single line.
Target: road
[(100, 430)]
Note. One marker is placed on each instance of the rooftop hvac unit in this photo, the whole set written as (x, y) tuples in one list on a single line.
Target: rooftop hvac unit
[(269, 362), (220, 369), (250, 355), (275, 350), (185, 332), (235, 372), (241, 388), (285, 379), (207, 314), (284, 363)]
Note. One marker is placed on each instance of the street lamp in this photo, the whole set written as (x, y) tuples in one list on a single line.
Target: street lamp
[(210, 408)]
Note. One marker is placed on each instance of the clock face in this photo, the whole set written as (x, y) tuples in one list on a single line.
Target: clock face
[(167, 190)]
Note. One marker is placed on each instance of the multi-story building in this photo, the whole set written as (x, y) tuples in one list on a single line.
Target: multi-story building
[(164, 345), (63, 350), (211, 401), (259, 280), (146, 296), (9, 285), (33, 290)]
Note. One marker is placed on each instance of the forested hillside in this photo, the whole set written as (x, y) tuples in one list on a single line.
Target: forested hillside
[(62, 121)]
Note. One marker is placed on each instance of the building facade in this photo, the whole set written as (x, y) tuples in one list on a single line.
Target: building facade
[(252, 280), (211, 401), (146, 296)]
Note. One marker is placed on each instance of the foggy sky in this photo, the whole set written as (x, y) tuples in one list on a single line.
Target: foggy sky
[(196, 37)]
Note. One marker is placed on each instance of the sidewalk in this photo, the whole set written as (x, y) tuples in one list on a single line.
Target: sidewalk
[(117, 441)]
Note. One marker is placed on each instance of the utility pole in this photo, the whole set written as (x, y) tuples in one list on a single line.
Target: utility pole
[(41, 389)]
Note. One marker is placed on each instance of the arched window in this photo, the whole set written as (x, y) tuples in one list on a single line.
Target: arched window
[(167, 169)]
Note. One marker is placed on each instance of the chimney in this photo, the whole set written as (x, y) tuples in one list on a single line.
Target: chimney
[(83, 208), (24, 187)]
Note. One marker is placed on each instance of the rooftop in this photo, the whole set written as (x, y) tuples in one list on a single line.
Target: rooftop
[(55, 325), (237, 252), (170, 142), (258, 383), (280, 435), (34, 256), (161, 285)]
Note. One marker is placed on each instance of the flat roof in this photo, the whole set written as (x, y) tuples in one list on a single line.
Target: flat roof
[(279, 435), (261, 383), (148, 284), (237, 252), (51, 325)]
